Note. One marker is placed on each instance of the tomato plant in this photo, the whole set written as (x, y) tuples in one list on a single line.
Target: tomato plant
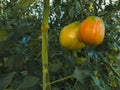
[(68, 37), (31, 57), (92, 30)]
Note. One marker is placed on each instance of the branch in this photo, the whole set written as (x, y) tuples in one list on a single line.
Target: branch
[(56, 81)]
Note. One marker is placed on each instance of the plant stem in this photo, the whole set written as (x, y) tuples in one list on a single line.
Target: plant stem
[(75, 84), (44, 29), (81, 4), (113, 70), (70, 76), (74, 54)]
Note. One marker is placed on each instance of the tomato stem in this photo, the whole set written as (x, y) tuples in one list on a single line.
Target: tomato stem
[(44, 29), (75, 54), (59, 80)]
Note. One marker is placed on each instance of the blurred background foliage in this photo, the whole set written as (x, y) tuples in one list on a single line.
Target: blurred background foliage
[(94, 68)]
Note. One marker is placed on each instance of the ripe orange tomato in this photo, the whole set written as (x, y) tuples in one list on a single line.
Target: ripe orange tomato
[(68, 37), (92, 30)]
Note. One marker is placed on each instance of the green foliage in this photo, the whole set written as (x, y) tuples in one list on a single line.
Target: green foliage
[(6, 80), (78, 73), (20, 46), (3, 35), (28, 82), (22, 5)]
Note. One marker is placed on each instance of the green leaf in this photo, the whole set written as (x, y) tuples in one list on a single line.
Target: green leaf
[(3, 35), (77, 6), (16, 81), (34, 68), (81, 74), (99, 84), (71, 12), (109, 7), (81, 60), (56, 66), (15, 62), (29, 81), (55, 88), (24, 3), (34, 46), (118, 57), (5, 80)]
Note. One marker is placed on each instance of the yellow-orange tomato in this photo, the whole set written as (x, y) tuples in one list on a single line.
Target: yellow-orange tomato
[(68, 37), (92, 30)]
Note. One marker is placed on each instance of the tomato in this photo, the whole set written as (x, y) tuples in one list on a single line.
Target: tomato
[(69, 37), (92, 30)]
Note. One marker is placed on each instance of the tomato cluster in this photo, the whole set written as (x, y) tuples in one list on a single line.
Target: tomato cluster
[(75, 35), (69, 37)]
